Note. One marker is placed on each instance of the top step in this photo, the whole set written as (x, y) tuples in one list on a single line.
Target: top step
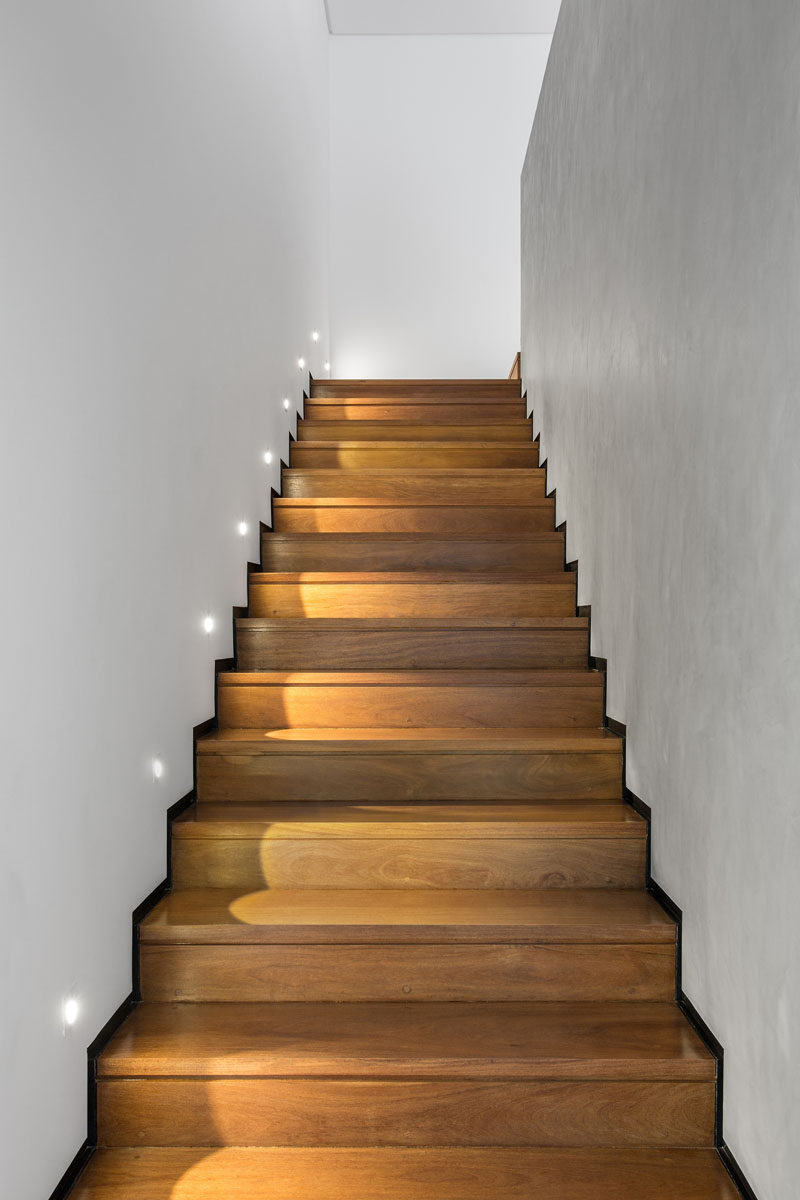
[(404, 389)]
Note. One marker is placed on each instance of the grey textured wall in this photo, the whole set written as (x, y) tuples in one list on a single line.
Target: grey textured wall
[(661, 352)]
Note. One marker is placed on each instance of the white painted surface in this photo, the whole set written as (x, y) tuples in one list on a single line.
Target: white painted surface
[(661, 308), (428, 137), (442, 16), (164, 256)]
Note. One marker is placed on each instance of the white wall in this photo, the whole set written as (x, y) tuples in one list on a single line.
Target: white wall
[(428, 136), (164, 256), (661, 309)]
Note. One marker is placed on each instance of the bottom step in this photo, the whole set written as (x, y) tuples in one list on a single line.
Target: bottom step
[(399, 1174)]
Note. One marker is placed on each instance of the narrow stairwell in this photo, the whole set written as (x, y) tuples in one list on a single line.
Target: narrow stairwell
[(409, 952)]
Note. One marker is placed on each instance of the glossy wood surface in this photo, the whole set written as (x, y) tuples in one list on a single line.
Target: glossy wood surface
[(383, 515), (485, 1173), (229, 915), (409, 594), (410, 552), (471, 1041), (466, 699), (410, 971), (408, 949), (409, 486), (532, 643), (405, 1112), (459, 429)]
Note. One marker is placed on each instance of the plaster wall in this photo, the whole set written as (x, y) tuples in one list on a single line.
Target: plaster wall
[(661, 307), (428, 135), (164, 259)]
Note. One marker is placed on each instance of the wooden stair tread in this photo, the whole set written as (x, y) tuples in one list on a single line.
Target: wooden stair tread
[(371, 624), (403, 422), (416, 444), (395, 502), (486, 474), (424, 575), (427, 945), (227, 915), (523, 540), (394, 1173), (470, 819), (413, 740), (410, 1040), (518, 678), (459, 388)]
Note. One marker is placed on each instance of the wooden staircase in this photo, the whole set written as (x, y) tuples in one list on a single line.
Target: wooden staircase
[(409, 952)]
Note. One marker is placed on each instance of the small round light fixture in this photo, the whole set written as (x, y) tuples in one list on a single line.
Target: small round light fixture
[(315, 336), (208, 624), (267, 457), (286, 404), (158, 768), (301, 362), (243, 528)]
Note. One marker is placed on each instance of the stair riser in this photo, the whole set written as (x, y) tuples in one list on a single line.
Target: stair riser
[(302, 1112), (440, 972), (396, 706), (465, 487), (432, 390), (300, 650), (455, 518), (409, 776), (457, 599), (438, 411), (459, 430), (360, 553), (408, 863), (359, 458)]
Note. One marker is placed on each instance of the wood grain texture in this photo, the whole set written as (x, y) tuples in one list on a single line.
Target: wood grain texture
[(400, 390), (458, 429), (407, 863), (409, 552), (400, 1041), (412, 643), (367, 1112), (414, 821), (382, 515), (231, 916), (408, 947), (408, 485), (465, 699), (356, 455), (485, 1173), (365, 409), (419, 972), (452, 764), (393, 594)]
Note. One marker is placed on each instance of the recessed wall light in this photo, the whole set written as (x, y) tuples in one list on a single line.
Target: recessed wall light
[(326, 366), (315, 336), (70, 1011), (158, 768), (267, 457), (301, 362), (208, 624), (243, 528), (286, 404)]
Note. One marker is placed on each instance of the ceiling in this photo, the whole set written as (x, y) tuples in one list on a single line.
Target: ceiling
[(441, 16)]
